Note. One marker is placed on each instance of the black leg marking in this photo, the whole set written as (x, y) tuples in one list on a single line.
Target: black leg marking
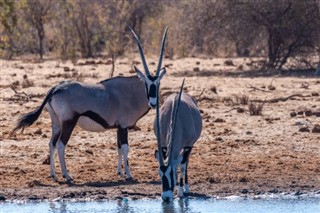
[(186, 154), (54, 138), (186, 173), (164, 152), (181, 182), (122, 135), (67, 128)]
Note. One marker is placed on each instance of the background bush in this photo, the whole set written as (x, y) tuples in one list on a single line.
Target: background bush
[(279, 30)]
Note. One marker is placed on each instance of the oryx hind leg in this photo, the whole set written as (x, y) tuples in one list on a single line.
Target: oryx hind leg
[(66, 130), (53, 141), (184, 188), (123, 150)]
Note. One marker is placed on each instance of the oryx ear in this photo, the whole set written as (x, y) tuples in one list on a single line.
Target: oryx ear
[(139, 73), (162, 73), (156, 155)]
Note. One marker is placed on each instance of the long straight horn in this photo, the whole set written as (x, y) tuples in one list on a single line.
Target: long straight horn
[(141, 52), (162, 50), (161, 160), (173, 121)]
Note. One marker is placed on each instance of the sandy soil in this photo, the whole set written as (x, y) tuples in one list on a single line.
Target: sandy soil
[(236, 154)]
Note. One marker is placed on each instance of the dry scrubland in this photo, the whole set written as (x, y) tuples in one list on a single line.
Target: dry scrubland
[(237, 153)]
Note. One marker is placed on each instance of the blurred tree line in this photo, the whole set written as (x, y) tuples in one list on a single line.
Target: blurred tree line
[(68, 29)]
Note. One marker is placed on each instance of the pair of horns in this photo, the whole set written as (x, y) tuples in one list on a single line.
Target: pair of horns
[(144, 62), (172, 126)]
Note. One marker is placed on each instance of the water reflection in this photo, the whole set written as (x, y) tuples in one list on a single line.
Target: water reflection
[(308, 205)]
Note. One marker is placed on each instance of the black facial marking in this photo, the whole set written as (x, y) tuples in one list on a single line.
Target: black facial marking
[(97, 118), (165, 182), (153, 91), (152, 78), (122, 135)]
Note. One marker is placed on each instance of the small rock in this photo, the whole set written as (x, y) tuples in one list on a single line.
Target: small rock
[(308, 113), (136, 128), (2, 198), (228, 63), (198, 62), (316, 129), (243, 180), (274, 191), (34, 197), (46, 161), (300, 112), (196, 69), (66, 69), (304, 129), (271, 87), (89, 151), (218, 139), (240, 110), (317, 114), (244, 191), (298, 193), (293, 114), (38, 132), (314, 94), (249, 133), (219, 120)]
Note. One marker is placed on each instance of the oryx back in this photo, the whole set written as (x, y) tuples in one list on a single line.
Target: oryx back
[(117, 102)]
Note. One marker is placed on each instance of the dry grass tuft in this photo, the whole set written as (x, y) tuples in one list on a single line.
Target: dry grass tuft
[(255, 109), (241, 99)]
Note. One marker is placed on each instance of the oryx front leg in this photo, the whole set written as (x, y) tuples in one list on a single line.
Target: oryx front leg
[(123, 150), (120, 154)]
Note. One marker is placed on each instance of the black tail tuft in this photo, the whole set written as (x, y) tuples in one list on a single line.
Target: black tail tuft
[(29, 118)]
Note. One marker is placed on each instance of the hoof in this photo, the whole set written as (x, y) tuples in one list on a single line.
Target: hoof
[(68, 178), (130, 180), (54, 178)]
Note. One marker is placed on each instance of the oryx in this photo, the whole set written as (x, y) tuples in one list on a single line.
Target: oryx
[(178, 126), (118, 102)]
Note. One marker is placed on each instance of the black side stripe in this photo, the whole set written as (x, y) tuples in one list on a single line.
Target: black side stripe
[(97, 118)]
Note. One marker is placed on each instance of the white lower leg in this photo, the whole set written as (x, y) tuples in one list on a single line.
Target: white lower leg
[(182, 173), (52, 167), (61, 153), (119, 170), (125, 149), (186, 188)]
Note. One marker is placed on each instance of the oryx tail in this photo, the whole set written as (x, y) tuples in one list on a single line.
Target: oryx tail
[(29, 118)]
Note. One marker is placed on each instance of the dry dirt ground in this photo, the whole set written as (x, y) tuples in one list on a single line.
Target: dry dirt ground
[(237, 153)]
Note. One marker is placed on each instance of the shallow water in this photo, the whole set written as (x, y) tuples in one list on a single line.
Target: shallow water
[(306, 205)]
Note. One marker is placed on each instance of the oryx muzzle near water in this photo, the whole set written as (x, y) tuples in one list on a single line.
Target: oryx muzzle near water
[(118, 102), (178, 126)]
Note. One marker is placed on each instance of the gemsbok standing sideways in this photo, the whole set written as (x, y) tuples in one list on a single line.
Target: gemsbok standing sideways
[(178, 126), (118, 102)]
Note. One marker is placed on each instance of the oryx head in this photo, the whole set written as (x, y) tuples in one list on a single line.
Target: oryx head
[(152, 81), (168, 165)]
